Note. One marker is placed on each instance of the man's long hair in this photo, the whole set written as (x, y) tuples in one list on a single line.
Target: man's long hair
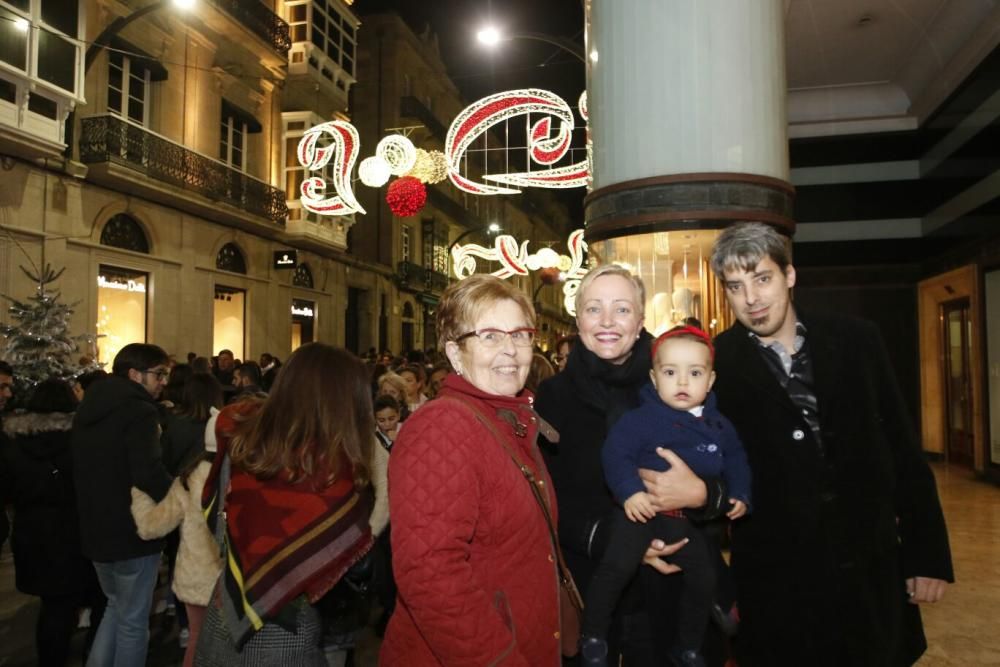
[(317, 417)]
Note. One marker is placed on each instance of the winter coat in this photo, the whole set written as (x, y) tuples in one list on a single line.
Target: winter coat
[(37, 479), (707, 444), (471, 550), (821, 562), (198, 563), (198, 560), (182, 442), (116, 445)]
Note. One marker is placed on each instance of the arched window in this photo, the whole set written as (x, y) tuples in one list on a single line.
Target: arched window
[(408, 309), (122, 231), (302, 277), (230, 258)]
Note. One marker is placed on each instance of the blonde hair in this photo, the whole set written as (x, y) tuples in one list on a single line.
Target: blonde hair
[(465, 301), (397, 382), (612, 270)]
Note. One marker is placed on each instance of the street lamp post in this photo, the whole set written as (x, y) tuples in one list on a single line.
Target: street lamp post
[(492, 228), (102, 42), (491, 36)]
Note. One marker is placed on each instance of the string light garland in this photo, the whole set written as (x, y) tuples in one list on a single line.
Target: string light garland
[(515, 261), (374, 171), (548, 140), (398, 152), (430, 166), (406, 196)]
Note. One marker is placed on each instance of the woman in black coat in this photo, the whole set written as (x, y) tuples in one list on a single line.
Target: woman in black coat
[(601, 382), (37, 480)]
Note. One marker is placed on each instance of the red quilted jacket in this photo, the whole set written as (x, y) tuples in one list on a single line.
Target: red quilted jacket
[(470, 547)]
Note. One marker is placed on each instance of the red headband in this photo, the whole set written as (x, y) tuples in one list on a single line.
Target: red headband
[(682, 330)]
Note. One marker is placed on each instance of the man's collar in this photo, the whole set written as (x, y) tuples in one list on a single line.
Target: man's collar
[(800, 337)]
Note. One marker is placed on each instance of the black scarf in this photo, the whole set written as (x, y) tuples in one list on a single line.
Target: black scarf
[(611, 389)]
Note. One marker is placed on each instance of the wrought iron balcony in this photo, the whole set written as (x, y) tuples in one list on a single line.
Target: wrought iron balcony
[(411, 107), (417, 277), (261, 21), (111, 139)]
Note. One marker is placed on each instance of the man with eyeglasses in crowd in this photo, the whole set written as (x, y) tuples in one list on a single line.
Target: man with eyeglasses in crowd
[(116, 445)]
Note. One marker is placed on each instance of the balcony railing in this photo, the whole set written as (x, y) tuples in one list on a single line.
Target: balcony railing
[(261, 21), (416, 276), (111, 139), (411, 107)]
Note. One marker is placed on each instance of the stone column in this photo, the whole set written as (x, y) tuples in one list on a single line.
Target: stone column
[(687, 115)]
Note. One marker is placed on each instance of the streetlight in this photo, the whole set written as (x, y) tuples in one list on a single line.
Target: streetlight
[(491, 36), (122, 22), (492, 228), (104, 39)]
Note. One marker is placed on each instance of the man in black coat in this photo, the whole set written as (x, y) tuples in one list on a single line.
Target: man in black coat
[(116, 445), (847, 536)]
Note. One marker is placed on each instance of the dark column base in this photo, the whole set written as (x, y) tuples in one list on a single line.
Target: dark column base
[(687, 201)]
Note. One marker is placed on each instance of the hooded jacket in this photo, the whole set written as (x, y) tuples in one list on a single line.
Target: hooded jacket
[(36, 477), (116, 445)]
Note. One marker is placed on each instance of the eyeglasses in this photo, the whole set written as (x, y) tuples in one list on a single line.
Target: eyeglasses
[(523, 337), (158, 372)]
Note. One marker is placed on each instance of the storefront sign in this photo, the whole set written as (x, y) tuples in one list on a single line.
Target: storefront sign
[(124, 285), (303, 311), (286, 259)]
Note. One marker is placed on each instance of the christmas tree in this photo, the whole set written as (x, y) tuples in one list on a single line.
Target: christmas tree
[(39, 345)]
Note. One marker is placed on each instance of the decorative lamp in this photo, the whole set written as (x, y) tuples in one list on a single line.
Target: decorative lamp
[(406, 196)]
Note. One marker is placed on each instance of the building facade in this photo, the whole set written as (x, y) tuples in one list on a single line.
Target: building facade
[(152, 152)]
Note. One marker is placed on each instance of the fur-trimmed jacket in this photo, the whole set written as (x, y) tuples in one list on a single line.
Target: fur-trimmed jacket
[(198, 562), (36, 477)]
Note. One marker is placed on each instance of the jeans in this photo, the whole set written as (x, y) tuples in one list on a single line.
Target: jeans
[(123, 636)]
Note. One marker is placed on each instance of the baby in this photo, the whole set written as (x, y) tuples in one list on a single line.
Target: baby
[(677, 412)]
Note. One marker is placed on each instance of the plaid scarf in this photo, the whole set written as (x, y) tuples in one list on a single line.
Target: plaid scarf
[(282, 540)]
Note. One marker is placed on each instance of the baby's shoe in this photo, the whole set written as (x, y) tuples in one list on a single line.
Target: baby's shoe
[(593, 652)]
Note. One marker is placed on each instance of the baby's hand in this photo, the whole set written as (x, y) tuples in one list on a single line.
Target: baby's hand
[(639, 508), (739, 509)]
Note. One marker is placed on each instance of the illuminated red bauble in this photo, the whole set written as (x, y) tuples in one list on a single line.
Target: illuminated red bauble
[(550, 275), (406, 196)]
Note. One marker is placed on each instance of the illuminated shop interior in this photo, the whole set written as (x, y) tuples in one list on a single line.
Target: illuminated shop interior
[(674, 266), (229, 320), (303, 322), (121, 310)]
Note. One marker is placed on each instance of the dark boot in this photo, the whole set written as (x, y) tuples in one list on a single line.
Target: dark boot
[(593, 652)]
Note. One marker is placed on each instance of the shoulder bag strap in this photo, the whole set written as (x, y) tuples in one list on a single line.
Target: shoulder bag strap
[(541, 497)]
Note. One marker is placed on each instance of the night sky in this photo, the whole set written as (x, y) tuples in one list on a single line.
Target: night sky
[(477, 70)]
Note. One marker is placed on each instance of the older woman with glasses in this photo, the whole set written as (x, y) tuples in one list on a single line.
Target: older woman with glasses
[(472, 549)]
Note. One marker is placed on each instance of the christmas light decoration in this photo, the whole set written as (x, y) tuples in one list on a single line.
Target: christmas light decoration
[(430, 166), (343, 149), (406, 196), (374, 171), (398, 152), (515, 261), (479, 117), (397, 155)]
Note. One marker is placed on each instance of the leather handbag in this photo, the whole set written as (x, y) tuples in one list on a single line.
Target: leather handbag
[(570, 601)]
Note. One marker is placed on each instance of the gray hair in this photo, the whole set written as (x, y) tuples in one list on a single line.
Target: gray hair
[(612, 270), (745, 244)]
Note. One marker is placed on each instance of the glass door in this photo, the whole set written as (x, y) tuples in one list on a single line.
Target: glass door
[(957, 341)]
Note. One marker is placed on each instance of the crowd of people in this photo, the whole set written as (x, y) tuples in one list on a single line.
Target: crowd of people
[(504, 507)]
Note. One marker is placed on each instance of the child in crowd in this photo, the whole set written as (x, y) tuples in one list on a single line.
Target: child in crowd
[(677, 412), (387, 413)]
